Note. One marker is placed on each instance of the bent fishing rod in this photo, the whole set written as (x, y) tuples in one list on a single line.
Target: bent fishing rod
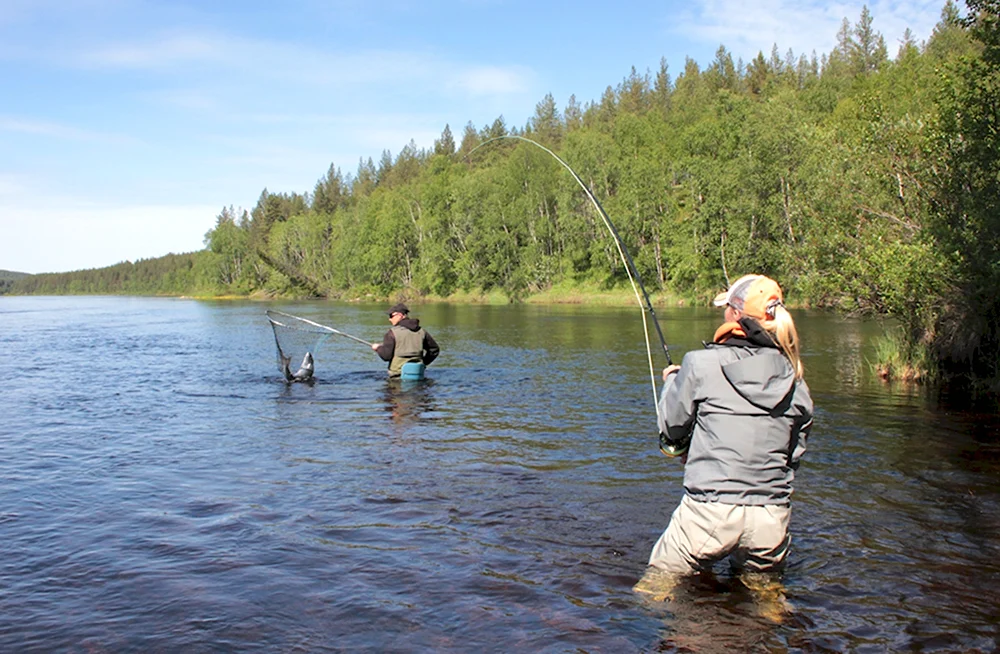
[(314, 324), (630, 269)]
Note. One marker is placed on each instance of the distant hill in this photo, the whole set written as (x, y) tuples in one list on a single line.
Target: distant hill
[(10, 275), (172, 274), (8, 279)]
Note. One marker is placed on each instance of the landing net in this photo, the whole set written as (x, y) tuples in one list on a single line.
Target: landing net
[(293, 338)]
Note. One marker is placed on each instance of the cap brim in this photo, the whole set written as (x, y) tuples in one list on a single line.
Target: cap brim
[(722, 299)]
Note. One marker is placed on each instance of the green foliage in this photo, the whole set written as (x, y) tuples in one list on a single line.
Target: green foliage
[(331, 192), (862, 183), (779, 166), (8, 279), (174, 274), (900, 358), (446, 144), (964, 322)]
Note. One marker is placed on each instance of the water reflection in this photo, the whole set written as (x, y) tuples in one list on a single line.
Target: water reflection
[(508, 503), (406, 400), (717, 614)]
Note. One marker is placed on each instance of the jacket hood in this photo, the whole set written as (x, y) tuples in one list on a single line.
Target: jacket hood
[(745, 333), (413, 324), (765, 379)]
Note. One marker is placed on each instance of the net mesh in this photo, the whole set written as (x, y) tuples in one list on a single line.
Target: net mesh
[(295, 338)]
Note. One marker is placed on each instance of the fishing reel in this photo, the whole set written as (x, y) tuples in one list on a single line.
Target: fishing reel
[(674, 448)]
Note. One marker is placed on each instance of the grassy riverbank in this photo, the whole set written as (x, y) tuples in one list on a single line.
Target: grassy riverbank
[(583, 295), (894, 360)]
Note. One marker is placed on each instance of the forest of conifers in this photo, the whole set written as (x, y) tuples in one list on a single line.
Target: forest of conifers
[(861, 182)]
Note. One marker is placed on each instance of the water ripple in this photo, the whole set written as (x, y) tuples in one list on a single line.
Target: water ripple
[(166, 491)]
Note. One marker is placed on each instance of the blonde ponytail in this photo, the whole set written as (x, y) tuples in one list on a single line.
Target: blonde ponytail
[(782, 328)]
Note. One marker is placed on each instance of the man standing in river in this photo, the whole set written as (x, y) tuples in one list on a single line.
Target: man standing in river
[(405, 341)]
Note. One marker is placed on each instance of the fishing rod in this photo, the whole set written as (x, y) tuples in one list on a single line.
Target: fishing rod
[(314, 324), (630, 269)]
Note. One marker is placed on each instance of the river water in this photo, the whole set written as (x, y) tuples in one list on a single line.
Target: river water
[(164, 491)]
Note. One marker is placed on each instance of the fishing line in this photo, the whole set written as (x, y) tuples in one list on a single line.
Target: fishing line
[(630, 269)]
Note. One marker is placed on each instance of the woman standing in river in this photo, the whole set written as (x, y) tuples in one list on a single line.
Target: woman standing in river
[(739, 413)]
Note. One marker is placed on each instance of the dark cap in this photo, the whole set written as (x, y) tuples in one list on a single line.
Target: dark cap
[(399, 308)]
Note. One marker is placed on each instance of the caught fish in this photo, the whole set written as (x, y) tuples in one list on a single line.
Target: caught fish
[(303, 374)]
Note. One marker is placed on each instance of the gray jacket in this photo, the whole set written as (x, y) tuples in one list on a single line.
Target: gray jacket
[(748, 419)]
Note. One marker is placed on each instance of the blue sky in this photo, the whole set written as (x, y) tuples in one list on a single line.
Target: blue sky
[(126, 125)]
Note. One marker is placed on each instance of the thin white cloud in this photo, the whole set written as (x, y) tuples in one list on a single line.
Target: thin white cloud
[(892, 18), (746, 28), (291, 63), (22, 11), (190, 99), (75, 237), (211, 52), (370, 134), (375, 137), (59, 131), (25, 9), (492, 80), (14, 185), (54, 233), (344, 121), (159, 53)]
